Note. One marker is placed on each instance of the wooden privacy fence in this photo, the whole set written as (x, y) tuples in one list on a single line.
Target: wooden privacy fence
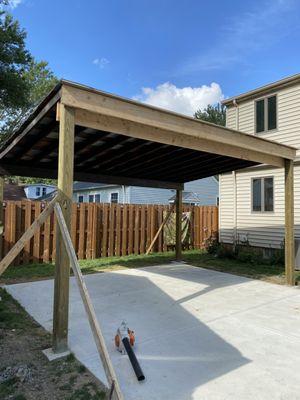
[(100, 230)]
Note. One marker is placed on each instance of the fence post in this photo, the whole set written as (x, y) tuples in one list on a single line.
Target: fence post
[(178, 245)]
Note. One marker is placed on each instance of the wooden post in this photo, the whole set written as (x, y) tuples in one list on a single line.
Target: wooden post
[(62, 262), (1, 215), (178, 244), (289, 223)]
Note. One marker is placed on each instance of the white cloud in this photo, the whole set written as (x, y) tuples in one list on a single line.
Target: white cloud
[(184, 100), (101, 62), (244, 35)]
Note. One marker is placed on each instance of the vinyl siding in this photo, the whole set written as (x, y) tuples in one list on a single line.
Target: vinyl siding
[(226, 215), (104, 194), (261, 229), (288, 117), (208, 189)]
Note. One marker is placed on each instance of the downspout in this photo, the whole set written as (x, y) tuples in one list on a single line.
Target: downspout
[(124, 193), (235, 236)]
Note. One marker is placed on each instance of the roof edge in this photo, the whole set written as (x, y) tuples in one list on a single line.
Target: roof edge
[(288, 81)]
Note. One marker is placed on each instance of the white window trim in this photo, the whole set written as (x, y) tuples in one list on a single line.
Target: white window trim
[(117, 193), (265, 98), (263, 211)]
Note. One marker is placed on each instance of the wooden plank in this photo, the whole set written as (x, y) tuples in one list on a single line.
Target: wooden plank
[(111, 234), (27, 247), (62, 262), (143, 233), (37, 235), (125, 230), (89, 308), (289, 223), (118, 230), (81, 246), (160, 229), (136, 228), (105, 230), (15, 250), (47, 239), (130, 229), (178, 245)]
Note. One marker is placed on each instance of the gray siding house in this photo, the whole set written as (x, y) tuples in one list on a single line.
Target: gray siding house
[(199, 192)]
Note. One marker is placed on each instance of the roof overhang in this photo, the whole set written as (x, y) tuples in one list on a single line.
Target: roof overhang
[(120, 141), (263, 90)]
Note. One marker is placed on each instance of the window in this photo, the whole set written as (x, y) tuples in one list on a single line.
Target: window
[(266, 114), (97, 198), (37, 191), (263, 194), (114, 197), (44, 191), (91, 198), (80, 198)]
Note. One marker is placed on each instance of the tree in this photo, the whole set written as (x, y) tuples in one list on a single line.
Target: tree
[(212, 113), (39, 81), (14, 59)]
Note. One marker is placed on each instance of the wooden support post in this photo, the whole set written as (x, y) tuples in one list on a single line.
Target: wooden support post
[(178, 244), (62, 262), (116, 393), (1, 215), (289, 223)]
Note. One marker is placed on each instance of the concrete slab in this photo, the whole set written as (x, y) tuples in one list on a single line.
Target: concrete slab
[(55, 356), (200, 334)]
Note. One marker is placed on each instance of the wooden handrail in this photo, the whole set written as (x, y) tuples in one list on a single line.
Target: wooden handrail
[(89, 308)]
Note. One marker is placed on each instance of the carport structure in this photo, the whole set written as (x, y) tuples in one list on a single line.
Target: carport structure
[(81, 133)]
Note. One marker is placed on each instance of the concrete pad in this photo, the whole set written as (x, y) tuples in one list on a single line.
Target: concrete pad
[(49, 353), (200, 334)]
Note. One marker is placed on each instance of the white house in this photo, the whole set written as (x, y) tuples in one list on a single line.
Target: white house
[(252, 199), (35, 190)]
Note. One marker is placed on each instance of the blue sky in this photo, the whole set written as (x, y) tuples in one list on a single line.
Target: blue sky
[(175, 54)]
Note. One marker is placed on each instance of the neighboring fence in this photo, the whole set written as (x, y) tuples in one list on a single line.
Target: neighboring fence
[(101, 230)]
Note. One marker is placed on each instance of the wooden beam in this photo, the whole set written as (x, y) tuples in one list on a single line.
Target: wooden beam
[(15, 250), (88, 305), (182, 139), (113, 106), (178, 244), (23, 170), (62, 263), (289, 223)]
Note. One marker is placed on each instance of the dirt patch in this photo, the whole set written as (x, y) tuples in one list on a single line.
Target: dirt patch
[(26, 374)]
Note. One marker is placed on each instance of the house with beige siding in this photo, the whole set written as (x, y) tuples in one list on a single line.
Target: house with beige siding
[(252, 199)]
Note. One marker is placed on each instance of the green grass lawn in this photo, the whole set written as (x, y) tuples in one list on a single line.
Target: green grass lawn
[(198, 258)]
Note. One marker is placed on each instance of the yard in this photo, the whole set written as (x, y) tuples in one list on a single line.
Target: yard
[(197, 258), (25, 373)]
